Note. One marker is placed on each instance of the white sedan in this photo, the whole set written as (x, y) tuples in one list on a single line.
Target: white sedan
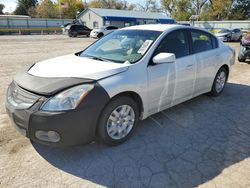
[(103, 91), (98, 33)]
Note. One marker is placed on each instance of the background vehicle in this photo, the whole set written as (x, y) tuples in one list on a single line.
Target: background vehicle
[(227, 35), (245, 32), (73, 30), (224, 35), (244, 49), (236, 35), (98, 33)]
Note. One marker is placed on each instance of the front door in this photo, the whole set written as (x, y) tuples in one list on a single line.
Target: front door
[(171, 83)]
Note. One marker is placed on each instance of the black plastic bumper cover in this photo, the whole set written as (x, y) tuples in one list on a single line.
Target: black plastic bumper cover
[(75, 127)]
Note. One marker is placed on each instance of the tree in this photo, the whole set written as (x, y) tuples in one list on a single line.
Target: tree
[(217, 10), (23, 6), (1, 8), (241, 10), (180, 10), (198, 4), (46, 9), (169, 6), (69, 8), (112, 4), (150, 5)]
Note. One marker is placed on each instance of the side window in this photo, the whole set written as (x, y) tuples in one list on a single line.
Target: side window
[(201, 41), (176, 42), (85, 28), (113, 27), (81, 27)]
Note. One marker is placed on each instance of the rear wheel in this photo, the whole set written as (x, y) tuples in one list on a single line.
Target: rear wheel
[(74, 34), (219, 82), (118, 121)]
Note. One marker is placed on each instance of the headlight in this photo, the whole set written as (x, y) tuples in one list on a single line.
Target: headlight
[(68, 99)]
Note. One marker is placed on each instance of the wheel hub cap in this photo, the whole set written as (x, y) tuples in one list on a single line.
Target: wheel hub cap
[(220, 81), (120, 122)]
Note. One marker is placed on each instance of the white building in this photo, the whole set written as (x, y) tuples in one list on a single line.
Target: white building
[(97, 17)]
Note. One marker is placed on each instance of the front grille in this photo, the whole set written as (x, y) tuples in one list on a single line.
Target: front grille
[(20, 98)]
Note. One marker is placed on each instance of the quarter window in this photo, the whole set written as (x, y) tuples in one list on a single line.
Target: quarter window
[(201, 41), (215, 42), (176, 42)]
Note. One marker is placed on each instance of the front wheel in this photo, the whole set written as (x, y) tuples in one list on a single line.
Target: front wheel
[(118, 120), (240, 59), (219, 82), (229, 39)]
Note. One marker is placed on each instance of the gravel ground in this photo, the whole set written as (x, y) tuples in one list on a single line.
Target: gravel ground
[(203, 142)]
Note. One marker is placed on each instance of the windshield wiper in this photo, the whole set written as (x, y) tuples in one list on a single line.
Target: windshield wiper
[(95, 58), (100, 58)]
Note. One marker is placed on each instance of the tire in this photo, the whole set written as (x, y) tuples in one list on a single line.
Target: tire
[(240, 59), (229, 39), (75, 34), (218, 81), (100, 35), (240, 38), (69, 34), (113, 129)]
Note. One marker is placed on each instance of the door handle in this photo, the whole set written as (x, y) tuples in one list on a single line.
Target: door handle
[(189, 66)]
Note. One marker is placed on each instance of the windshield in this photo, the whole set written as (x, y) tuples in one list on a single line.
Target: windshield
[(224, 31), (122, 46)]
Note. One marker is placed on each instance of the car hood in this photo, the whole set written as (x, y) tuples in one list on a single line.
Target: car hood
[(76, 67), (221, 34)]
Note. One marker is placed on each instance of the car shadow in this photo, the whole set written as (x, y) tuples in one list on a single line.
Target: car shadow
[(184, 146)]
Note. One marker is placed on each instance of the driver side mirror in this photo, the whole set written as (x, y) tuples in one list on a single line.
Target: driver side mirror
[(164, 58)]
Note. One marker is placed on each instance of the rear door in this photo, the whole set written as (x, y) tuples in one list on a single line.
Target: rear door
[(205, 48), (86, 30), (81, 29)]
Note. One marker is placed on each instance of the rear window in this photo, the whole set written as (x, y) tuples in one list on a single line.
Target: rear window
[(202, 41)]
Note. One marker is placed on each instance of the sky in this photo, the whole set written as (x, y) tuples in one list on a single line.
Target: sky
[(10, 5)]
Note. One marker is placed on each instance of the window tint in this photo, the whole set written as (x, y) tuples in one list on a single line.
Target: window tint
[(111, 27), (201, 41), (80, 27), (175, 42), (85, 28), (236, 30)]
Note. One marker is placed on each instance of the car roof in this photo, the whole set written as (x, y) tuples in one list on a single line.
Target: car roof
[(155, 27)]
